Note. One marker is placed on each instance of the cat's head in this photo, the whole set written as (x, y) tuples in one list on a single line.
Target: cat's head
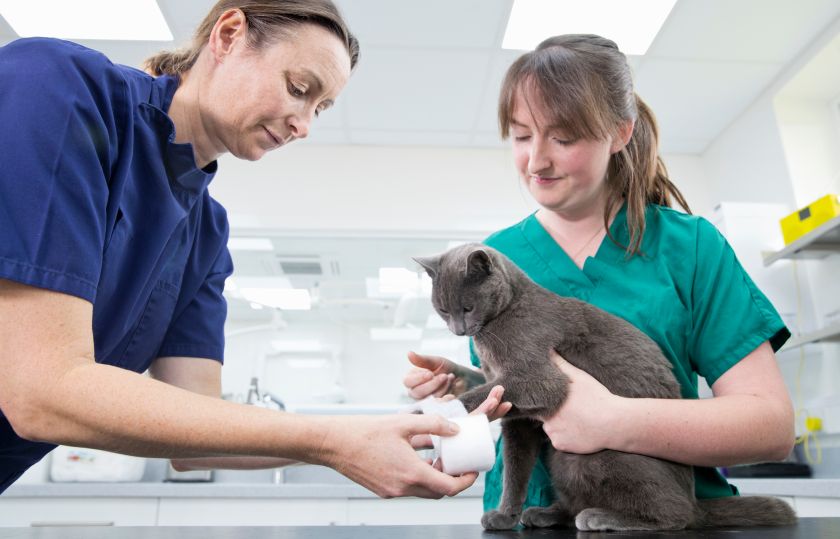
[(470, 286)]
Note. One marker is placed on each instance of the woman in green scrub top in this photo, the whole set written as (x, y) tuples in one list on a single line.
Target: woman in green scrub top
[(585, 146)]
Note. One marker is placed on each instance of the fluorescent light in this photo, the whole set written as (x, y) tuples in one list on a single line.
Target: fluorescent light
[(250, 244), (290, 299), (395, 334), (129, 20), (397, 281), (631, 24)]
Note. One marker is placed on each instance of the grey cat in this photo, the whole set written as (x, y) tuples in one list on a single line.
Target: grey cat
[(514, 323)]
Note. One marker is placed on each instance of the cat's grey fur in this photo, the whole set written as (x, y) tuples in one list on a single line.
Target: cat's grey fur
[(514, 323)]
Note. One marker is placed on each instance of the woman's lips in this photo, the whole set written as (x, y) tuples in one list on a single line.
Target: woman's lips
[(540, 180), (277, 141)]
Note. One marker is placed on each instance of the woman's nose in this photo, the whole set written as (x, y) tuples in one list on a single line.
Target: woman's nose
[(538, 159), (299, 125)]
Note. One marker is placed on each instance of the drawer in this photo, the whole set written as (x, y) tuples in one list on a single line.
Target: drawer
[(75, 511)]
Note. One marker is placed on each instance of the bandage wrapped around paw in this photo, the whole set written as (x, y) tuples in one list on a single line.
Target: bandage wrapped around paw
[(472, 449)]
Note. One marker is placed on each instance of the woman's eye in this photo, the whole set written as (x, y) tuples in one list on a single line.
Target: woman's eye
[(521, 138), (296, 90)]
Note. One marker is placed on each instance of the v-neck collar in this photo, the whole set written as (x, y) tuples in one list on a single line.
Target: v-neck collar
[(580, 280)]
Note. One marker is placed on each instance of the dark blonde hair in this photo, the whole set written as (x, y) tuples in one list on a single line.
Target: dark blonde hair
[(584, 83), (267, 22)]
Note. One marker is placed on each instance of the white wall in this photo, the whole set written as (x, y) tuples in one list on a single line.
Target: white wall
[(320, 187)]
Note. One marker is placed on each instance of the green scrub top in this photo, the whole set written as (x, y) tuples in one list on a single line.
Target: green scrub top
[(686, 290)]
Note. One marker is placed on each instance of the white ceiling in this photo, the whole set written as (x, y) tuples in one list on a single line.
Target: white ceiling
[(430, 70)]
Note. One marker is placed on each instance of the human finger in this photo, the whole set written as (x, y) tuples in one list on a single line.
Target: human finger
[(415, 377), (421, 441), (437, 385), (428, 424), (432, 363), (436, 484)]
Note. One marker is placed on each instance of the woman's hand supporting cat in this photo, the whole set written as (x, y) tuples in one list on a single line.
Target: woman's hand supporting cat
[(701, 432), (580, 425)]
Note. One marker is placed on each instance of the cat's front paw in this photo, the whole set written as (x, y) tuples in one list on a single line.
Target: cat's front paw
[(496, 520), (543, 517)]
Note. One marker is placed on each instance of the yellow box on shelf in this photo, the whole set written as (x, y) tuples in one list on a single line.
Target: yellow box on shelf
[(806, 219)]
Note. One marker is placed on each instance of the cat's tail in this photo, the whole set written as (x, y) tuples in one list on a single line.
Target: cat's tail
[(744, 511)]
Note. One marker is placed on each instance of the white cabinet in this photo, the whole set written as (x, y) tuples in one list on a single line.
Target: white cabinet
[(251, 512), (77, 511), (807, 506)]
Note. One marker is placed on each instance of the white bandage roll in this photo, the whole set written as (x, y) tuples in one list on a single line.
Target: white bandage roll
[(471, 450)]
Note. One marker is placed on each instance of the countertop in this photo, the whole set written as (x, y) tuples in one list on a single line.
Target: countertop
[(807, 528), (820, 488)]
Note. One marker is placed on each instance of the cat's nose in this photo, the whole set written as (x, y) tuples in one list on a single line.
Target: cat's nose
[(458, 327)]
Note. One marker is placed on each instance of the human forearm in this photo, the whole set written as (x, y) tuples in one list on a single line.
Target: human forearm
[(231, 463), (108, 408), (719, 431)]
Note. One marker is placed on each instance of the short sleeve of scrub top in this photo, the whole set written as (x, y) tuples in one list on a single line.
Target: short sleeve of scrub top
[(687, 291), (53, 189)]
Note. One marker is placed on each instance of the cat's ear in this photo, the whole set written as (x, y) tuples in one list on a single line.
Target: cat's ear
[(430, 263), (479, 264)]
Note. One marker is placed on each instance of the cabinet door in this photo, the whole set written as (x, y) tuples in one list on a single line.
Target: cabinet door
[(251, 512), (807, 506), (409, 511), (75, 511)]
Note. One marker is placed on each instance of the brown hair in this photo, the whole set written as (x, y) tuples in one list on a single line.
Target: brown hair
[(585, 83), (267, 21)]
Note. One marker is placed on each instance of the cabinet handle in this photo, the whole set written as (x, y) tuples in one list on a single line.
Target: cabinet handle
[(64, 523)]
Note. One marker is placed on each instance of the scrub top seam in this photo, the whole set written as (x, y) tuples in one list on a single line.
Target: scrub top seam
[(56, 273)]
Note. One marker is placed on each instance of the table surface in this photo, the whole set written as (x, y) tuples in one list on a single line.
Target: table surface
[(806, 528)]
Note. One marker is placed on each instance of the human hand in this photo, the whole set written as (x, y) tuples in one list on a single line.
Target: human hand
[(431, 376), (375, 452), (493, 407), (580, 425)]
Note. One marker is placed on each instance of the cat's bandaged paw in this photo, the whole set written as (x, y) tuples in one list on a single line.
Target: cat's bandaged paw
[(472, 449)]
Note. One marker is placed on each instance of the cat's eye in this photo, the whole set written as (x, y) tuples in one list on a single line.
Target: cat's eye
[(443, 311), (468, 309)]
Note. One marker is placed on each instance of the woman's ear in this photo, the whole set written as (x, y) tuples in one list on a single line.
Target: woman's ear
[(622, 137), (230, 28)]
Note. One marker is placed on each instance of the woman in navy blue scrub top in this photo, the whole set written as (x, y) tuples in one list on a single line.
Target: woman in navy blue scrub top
[(113, 255), (586, 148)]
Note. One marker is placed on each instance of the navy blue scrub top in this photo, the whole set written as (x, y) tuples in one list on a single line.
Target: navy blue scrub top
[(97, 201)]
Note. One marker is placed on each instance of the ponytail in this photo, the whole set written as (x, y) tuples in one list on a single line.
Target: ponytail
[(637, 175)]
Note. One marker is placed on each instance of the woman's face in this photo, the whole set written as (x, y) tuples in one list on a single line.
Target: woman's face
[(563, 174), (256, 100)]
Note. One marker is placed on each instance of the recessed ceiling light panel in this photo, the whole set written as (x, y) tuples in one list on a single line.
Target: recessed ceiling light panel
[(631, 24), (129, 20)]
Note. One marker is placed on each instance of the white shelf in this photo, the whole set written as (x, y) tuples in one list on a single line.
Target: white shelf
[(830, 333), (819, 243)]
